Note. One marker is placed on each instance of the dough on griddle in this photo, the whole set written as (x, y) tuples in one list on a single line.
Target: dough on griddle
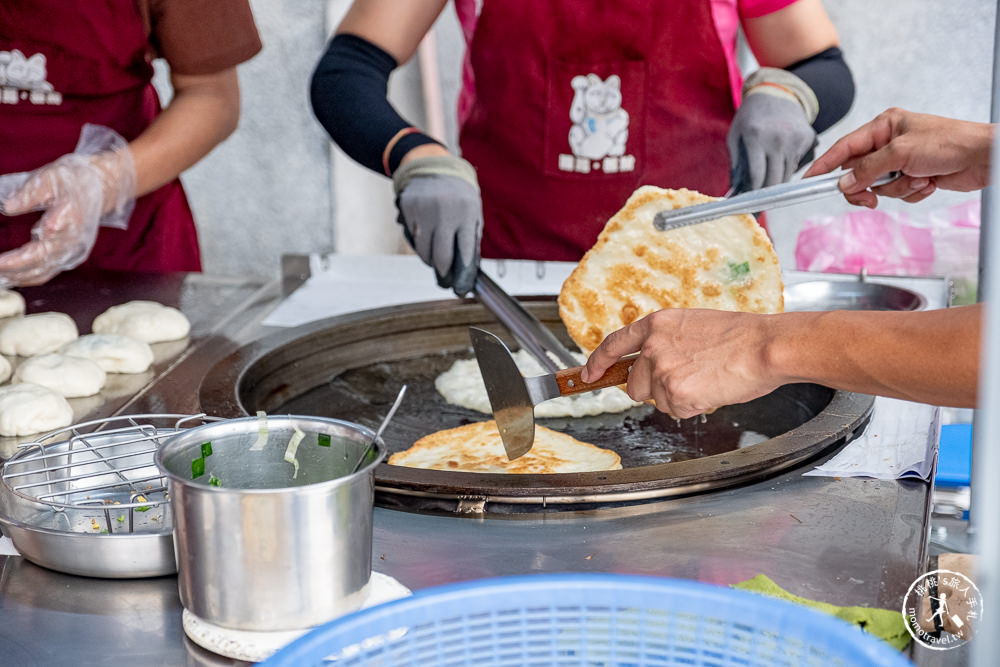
[(11, 303), (29, 408), (114, 353), (477, 447), (37, 334), (68, 376), (148, 321), (634, 269), (463, 385)]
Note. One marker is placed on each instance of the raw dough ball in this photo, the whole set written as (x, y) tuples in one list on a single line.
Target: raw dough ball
[(11, 303), (114, 353), (71, 377), (147, 321), (4, 369), (37, 334), (29, 408)]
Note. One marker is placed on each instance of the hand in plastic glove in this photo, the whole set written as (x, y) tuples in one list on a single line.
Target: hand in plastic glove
[(442, 216), (93, 186), (771, 136)]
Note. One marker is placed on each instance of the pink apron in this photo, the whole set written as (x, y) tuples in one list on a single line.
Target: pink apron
[(576, 103), (64, 63)]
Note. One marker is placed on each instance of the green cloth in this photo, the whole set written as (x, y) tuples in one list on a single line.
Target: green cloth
[(886, 624)]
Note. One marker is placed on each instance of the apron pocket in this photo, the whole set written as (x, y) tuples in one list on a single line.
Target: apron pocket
[(595, 116)]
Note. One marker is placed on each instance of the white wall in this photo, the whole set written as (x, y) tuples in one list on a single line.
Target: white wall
[(267, 190)]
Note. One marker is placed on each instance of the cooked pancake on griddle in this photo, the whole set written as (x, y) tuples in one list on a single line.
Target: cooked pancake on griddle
[(477, 447), (634, 269)]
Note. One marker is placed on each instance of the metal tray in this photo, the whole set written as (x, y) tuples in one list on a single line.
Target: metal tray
[(850, 295), (350, 367), (89, 499)]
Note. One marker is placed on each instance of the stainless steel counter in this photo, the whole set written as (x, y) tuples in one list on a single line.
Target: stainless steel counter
[(845, 541)]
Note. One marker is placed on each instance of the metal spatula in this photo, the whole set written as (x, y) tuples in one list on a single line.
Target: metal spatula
[(513, 397)]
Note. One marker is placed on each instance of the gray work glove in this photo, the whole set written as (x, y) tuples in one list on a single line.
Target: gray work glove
[(771, 136), (442, 217), (79, 192)]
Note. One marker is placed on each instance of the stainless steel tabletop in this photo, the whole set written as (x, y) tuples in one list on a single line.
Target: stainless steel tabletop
[(845, 541)]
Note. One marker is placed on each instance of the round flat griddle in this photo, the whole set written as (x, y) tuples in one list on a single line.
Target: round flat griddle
[(351, 367)]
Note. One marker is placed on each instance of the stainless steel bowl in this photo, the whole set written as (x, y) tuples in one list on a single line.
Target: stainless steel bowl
[(263, 544), (89, 500), (850, 295)]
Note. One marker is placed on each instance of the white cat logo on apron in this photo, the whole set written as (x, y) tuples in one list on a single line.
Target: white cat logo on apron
[(600, 128), (23, 78)]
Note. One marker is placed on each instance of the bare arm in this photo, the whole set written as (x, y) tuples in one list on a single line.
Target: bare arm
[(788, 35), (204, 111), (930, 356), (692, 361), (392, 25)]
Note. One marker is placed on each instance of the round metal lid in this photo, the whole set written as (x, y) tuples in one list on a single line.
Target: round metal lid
[(351, 367)]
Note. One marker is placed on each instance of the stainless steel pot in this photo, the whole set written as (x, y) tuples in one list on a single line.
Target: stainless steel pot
[(262, 543)]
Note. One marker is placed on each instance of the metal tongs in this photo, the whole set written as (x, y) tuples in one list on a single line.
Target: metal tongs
[(755, 201), (537, 338)]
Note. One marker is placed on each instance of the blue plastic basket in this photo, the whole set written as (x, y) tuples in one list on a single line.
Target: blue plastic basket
[(592, 620)]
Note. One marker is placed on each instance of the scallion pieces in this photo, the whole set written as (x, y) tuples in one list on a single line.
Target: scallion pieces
[(323, 439), (214, 481), (206, 449), (292, 448), (198, 467), (738, 271), (261, 432)]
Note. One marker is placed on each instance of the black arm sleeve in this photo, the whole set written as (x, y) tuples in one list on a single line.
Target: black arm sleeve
[(830, 79), (348, 94)]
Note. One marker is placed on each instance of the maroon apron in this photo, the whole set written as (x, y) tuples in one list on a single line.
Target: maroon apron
[(64, 63), (579, 102)]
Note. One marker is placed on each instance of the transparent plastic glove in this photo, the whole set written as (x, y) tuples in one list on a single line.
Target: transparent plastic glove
[(442, 217), (93, 186), (771, 135)]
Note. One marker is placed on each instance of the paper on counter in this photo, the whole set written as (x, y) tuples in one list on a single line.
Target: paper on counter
[(897, 443), (341, 284)]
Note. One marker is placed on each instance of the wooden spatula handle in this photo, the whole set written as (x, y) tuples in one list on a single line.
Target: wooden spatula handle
[(570, 382)]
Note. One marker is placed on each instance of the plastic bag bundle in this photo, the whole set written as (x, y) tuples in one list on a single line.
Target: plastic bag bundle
[(942, 242)]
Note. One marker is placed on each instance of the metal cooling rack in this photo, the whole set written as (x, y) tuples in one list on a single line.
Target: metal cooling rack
[(106, 464)]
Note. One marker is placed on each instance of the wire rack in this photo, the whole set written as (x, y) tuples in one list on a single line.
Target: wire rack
[(102, 470)]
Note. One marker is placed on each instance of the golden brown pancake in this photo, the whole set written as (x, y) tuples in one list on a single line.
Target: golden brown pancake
[(634, 269), (477, 447)]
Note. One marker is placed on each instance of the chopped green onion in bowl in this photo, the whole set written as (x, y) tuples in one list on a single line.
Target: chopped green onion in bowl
[(261, 432), (293, 446)]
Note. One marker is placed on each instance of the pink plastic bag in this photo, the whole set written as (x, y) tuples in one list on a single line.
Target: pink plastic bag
[(880, 242), (942, 242)]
